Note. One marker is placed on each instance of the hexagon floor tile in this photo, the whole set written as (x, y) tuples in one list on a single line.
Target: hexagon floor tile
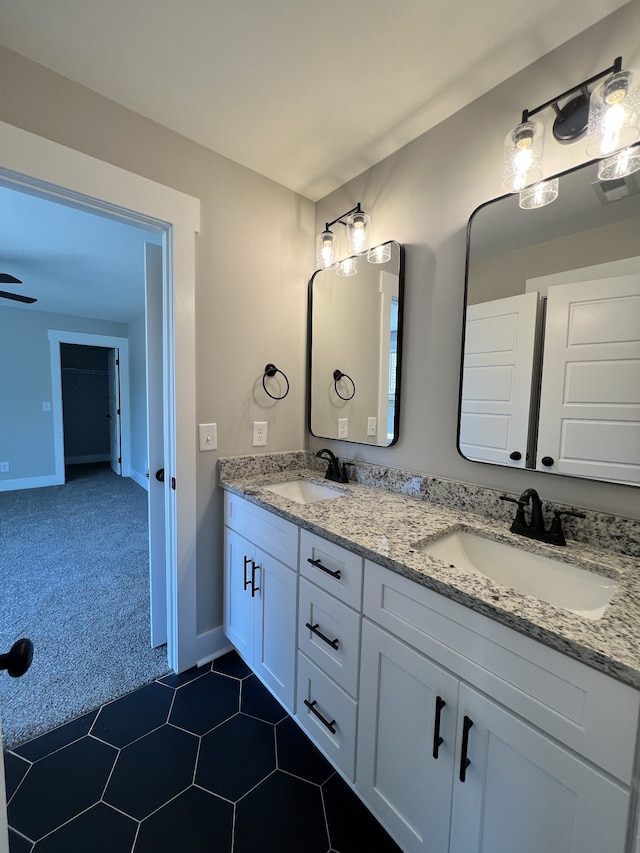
[(202, 761)]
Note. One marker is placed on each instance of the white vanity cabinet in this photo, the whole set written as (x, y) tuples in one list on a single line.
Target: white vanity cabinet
[(329, 622), (260, 593), (474, 738)]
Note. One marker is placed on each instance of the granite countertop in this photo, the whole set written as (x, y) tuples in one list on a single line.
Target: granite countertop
[(382, 526)]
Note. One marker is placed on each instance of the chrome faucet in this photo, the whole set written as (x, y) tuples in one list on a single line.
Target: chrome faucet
[(334, 471), (535, 529)]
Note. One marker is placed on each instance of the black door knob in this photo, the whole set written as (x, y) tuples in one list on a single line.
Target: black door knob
[(18, 659), (547, 461), (160, 475), (516, 455)]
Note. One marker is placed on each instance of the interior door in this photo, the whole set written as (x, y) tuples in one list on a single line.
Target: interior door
[(115, 447), (155, 443), (497, 379), (590, 400)]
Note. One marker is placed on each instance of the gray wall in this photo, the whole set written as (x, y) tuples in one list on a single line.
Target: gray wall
[(423, 196), (26, 432)]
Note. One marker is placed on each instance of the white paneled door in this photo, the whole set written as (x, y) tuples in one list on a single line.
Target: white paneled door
[(590, 400), (496, 382)]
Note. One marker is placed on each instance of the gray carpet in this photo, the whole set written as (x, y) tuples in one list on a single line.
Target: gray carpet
[(74, 575)]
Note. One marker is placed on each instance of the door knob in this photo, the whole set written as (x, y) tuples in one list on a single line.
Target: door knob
[(160, 475), (18, 659)]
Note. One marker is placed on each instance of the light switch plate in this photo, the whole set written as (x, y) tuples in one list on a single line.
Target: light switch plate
[(208, 436), (372, 426)]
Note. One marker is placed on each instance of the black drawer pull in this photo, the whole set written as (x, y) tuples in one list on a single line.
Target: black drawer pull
[(312, 707), (254, 588), (322, 568), (247, 580), (314, 629), (464, 760), (437, 740)]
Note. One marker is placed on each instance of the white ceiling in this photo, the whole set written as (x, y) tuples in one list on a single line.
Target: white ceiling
[(307, 94)]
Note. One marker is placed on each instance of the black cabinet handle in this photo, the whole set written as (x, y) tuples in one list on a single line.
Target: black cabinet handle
[(314, 629), (322, 568), (312, 707), (247, 580), (437, 740), (547, 461), (254, 588), (516, 456), (464, 760), (18, 659)]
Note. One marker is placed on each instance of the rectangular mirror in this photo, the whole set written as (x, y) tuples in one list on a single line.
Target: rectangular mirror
[(354, 350), (550, 376)]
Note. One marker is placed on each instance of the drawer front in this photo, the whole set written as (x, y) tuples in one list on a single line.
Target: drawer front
[(591, 713), (335, 569), (334, 645), (335, 733), (268, 531)]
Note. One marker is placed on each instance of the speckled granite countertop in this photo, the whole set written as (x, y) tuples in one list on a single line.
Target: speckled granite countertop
[(382, 526)]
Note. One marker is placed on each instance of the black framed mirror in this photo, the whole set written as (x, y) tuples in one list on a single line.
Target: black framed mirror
[(550, 373), (355, 348)]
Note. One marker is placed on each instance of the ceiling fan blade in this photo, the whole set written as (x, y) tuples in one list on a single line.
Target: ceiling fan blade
[(5, 278), (17, 297)]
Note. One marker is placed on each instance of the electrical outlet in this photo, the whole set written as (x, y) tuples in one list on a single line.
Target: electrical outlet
[(260, 433), (4, 467), (372, 426), (343, 427), (208, 436)]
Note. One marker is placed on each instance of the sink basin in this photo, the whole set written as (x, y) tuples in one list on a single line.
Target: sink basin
[(304, 491), (557, 583)]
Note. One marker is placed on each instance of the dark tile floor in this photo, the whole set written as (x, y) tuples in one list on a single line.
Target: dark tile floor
[(203, 762)]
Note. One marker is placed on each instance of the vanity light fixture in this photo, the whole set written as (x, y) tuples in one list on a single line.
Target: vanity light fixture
[(379, 254), (538, 195), (624, 163), (610, 115), (356, 221), (347, 267)]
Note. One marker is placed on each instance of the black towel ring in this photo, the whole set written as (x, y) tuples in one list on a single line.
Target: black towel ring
[(337, 375), (271, 370)]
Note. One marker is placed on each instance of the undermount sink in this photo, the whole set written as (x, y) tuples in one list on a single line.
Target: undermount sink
[(304, 491), (560, 584)]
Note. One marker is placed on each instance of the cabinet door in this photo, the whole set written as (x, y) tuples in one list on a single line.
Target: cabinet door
[(238, 603), (400, 721), (524, 793), (276, 598)]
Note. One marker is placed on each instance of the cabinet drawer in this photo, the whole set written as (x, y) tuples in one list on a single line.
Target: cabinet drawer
[(268, 531), (591, 713), (337, 652), (336, 570), (336, 736)]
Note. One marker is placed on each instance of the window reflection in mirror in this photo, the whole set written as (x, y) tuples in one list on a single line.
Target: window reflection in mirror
[(355, 327), (551, 357)]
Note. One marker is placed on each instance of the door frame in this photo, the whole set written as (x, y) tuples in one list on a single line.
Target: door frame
[(60, 336), (39, 166)]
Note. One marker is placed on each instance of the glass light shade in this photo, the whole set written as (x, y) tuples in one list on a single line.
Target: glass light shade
[(544, 192), (379, 254), (624, 163), (358, 239), (347, 267), (614, 114), (522, 165), (327, 251)]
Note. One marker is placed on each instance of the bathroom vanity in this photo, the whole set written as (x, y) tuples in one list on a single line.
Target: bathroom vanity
[(465, 715)]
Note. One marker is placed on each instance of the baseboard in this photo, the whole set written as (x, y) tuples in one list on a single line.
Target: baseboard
[(84, 460), (140, 479), (211, 645), (30, 483)]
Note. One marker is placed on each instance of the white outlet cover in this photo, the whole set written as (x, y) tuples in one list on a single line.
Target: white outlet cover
[(343, 427), (260, 433)]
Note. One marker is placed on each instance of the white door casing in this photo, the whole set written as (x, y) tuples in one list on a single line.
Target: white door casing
[(31, 162), (590, 400), (115, 449), (153, 272), (497, 379), (4, 833)]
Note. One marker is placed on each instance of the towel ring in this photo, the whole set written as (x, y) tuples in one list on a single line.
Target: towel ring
[(337, 375), (271, 370)]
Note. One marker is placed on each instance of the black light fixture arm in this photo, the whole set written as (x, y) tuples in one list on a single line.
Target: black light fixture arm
[(613, 69), (356, 209)]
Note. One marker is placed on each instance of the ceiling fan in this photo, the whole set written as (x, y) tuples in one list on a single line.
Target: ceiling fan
[(5, 278)]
